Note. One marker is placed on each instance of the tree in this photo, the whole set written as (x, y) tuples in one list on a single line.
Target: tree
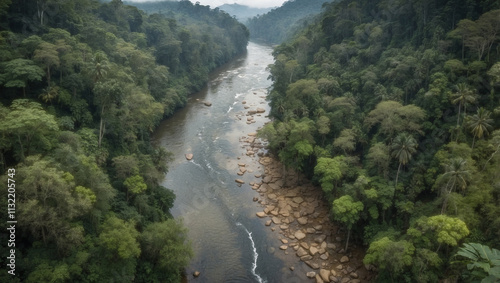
[(50, 204), (390, 256), (4, 6), (346, 141), (106, 93), (331, 171), (347, 211), (165, 244), (402, 148), (378, 158), (463, 96), (395, 118), (480, 124), (27, 121), (47, 54), (495, 144), (439, 229), (18, 72), (49, 94), (457, 174), (120, 238), (135, 185), (100, 66)]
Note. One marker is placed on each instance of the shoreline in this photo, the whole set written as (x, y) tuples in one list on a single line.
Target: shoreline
[(298, 215)]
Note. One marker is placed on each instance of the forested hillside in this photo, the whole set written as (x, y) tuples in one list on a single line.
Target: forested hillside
[(242, 12), (281, 23), (392, 107), (83, 84)]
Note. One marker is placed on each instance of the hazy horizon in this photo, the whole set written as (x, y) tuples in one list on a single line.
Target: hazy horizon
[(216, 3)]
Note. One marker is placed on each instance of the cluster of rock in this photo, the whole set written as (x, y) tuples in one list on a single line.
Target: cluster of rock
[(300, 215), (251, 113)]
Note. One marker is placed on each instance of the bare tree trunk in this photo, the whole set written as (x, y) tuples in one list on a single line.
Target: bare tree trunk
[(347, 241), (397, 175), (101, 127)]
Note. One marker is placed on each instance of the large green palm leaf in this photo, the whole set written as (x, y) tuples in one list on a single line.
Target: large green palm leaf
[(484, 258)]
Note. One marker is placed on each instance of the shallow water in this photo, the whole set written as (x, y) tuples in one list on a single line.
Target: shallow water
[(230, 243)]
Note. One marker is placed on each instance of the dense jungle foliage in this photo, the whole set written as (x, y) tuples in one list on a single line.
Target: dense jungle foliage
[(82, 86), (393, 108), (283, 22)]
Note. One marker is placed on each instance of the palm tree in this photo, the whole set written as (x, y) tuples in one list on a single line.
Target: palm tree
[(457, 174), (402, 148), (480, 124), (463, 96), (99, 66), (49, 94)]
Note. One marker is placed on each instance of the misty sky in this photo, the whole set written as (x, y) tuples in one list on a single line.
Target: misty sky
[(251, 3)]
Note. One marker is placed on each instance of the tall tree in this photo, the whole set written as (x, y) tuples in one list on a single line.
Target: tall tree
[(18, 72), (347, 211), (458, 175), (402, 148), (47, 54), (462, 97), (480, 124), (27, 121)]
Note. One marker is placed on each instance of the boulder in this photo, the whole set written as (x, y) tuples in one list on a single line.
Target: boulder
[(304, 245), (207, 103), (261, 214), (299, 235), (196, 273), (189, 156), (301, 252), (344, 259), (239, 181), (325, 275), (311, 274), (306, 258), (310, 231), (298, 200), (312, 265), (283, 247), (268, 222), (276, 220), (302, 220), (313, 250), (260, 110), (319, 279), (320, 239)]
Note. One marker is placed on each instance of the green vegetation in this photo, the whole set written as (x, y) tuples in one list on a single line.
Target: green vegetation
[(83, 84), (281, 23), (392, 107)]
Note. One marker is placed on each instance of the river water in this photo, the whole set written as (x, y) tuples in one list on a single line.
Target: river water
[(230, 243)]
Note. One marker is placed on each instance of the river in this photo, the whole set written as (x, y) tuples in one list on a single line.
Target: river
[(230, 243)]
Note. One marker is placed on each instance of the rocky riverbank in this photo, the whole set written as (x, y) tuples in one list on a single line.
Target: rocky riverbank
[(296, 211)]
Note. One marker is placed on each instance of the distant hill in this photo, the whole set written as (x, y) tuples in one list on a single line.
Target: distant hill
[(280, 23), (242, 12)]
